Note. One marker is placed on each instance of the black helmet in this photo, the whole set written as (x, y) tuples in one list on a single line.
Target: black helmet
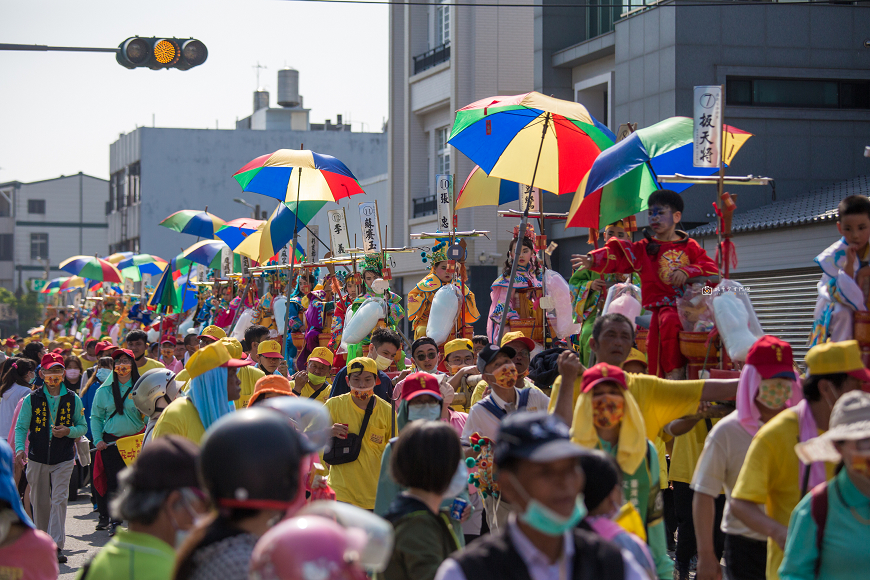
[(252, 459)]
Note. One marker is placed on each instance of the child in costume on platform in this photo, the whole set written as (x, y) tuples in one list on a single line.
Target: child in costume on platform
[(307, 308), (665, 263), (420, 297), (373, 269), (845, 279), (589, 289), (527, 288)]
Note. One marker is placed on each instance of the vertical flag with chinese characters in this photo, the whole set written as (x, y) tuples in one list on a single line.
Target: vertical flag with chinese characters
[(339, 241), (708, 126), (444, 201), (371, 227)]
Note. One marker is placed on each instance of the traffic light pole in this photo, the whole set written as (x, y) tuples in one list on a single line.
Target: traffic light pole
[(45, 48)]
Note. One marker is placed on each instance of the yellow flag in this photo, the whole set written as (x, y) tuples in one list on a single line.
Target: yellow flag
[(129, 447)]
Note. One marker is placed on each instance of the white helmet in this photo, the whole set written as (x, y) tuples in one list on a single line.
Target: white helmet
[(151, 386)]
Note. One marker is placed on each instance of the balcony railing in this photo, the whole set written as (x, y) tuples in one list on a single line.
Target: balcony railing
[(425, 206), (432, 58)]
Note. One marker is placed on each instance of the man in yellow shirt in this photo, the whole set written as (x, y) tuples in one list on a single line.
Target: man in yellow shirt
[(313, 382), (772, 475), (356, 482), (88, 358), (523, 347), (137, 342)]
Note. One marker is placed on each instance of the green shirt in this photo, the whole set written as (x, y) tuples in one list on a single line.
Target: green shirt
[(132, 556), (843, 547), (24, 416), (129, 421)]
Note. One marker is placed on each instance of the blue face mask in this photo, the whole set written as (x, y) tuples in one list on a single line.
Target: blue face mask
[(545, 520), (103, 374), (459, 481), (427, 411)]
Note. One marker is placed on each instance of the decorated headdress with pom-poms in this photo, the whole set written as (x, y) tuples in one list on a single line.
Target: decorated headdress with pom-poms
[(438, 253), (373, 263)]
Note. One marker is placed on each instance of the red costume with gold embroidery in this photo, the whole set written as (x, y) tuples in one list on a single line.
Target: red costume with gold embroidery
[(655, 265)]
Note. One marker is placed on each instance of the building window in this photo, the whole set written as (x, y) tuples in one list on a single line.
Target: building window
[(442, 24), (6, 247), (442, 151), (600, 16), (803, 93), (38, 246), (36, 206)]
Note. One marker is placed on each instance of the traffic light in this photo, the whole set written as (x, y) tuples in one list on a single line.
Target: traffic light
[(158, 53)]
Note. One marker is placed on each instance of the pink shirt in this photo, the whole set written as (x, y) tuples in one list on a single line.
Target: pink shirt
[(33, 556), (176, 366)]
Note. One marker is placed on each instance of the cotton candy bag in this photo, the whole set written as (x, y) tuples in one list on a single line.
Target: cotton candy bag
[(562, 315), (735, 319)]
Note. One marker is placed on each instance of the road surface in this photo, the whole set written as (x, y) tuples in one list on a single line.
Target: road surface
[(82, 541)]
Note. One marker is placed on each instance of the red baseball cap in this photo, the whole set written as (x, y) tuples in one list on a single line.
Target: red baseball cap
[(420, 383), (170, 339), (772, 358), (50, 360), (103, 347), (119, 351), (603, 373), (57, 350), (10, 342)]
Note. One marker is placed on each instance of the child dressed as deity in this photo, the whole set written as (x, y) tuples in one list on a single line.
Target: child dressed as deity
[(373, 269), (420, 297), (845, 281)]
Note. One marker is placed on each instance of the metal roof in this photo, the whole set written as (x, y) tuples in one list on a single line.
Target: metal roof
[(816, 206)]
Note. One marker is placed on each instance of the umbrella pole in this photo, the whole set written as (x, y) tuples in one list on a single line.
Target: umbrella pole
[(522, 232), (292, 263)]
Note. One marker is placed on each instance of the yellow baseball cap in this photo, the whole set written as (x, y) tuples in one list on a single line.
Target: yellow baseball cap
[(837, 357), (211, 357), (362, 363), (458, 344), (213, 332), (635, 356), (323, 355), (233, 346), (519, 337), (269, 349)]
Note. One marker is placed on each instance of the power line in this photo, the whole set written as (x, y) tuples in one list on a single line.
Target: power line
[(712, 3)]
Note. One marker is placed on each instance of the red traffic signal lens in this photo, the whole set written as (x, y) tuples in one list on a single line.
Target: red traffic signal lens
[(166, 52), (137, 50)]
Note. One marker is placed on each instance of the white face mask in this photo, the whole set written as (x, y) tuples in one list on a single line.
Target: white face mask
[(383, 362), (426, 411), (459, 481)]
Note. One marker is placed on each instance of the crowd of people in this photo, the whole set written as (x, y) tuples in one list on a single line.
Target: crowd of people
[(508, 455)]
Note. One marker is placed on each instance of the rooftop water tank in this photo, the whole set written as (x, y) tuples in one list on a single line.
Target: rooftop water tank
[(288, 87), (261, 100)]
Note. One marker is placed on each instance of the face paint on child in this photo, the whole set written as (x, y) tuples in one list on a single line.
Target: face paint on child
[(660, 218), (607, 410)]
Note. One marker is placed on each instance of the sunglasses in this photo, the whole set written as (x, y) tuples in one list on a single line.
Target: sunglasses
[(424, 356)]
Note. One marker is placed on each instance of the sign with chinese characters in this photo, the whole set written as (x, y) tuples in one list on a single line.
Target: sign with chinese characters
[(201, 273), (246, 264), (708, 126), (226, 262), (146, 280), (128, 286), (370, 226), (313, 243), (339, 241), (284, 255), (530, 196), (444, 201)]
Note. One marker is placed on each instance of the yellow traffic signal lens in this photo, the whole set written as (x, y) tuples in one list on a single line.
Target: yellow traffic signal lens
[(165, 52)]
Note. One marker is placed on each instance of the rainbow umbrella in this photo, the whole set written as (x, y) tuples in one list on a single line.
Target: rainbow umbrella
[(53, 285), (274, 234), (72, 283), (622, 178), (298, 175), (205, 252), (134, 266), (92, 268), (165, 293), (531, 138), (480, 189), (117, 257), (194, 222), (235, 231)]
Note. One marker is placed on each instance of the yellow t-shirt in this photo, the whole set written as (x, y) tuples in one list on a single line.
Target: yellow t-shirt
[(771, 476), (687, 450), (308, 390), (180, 418), (150, 363), (248, 376), (86, 364), (356, 482)]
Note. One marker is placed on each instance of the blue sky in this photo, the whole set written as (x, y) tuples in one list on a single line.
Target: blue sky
[(60, 111)]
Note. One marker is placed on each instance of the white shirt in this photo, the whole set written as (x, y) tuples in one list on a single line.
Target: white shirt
[(482, 421), (538, 564), (718, 467), (7, 406)]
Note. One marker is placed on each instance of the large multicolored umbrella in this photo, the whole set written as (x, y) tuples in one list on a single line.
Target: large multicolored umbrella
[(295, 175), (273, 235), (480, 189), (134, 266), (622, 178), (74, 282), (92, 268), (53, 285), (165, 293), (205, 252), (194, 222), (235, 231), (117, 257), (531, 138)]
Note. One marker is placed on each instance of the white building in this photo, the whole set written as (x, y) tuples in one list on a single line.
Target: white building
[(156, 171), (443, 58), (49, 221)]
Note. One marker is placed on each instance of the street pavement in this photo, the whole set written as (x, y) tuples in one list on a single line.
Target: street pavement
[(82, 541)]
